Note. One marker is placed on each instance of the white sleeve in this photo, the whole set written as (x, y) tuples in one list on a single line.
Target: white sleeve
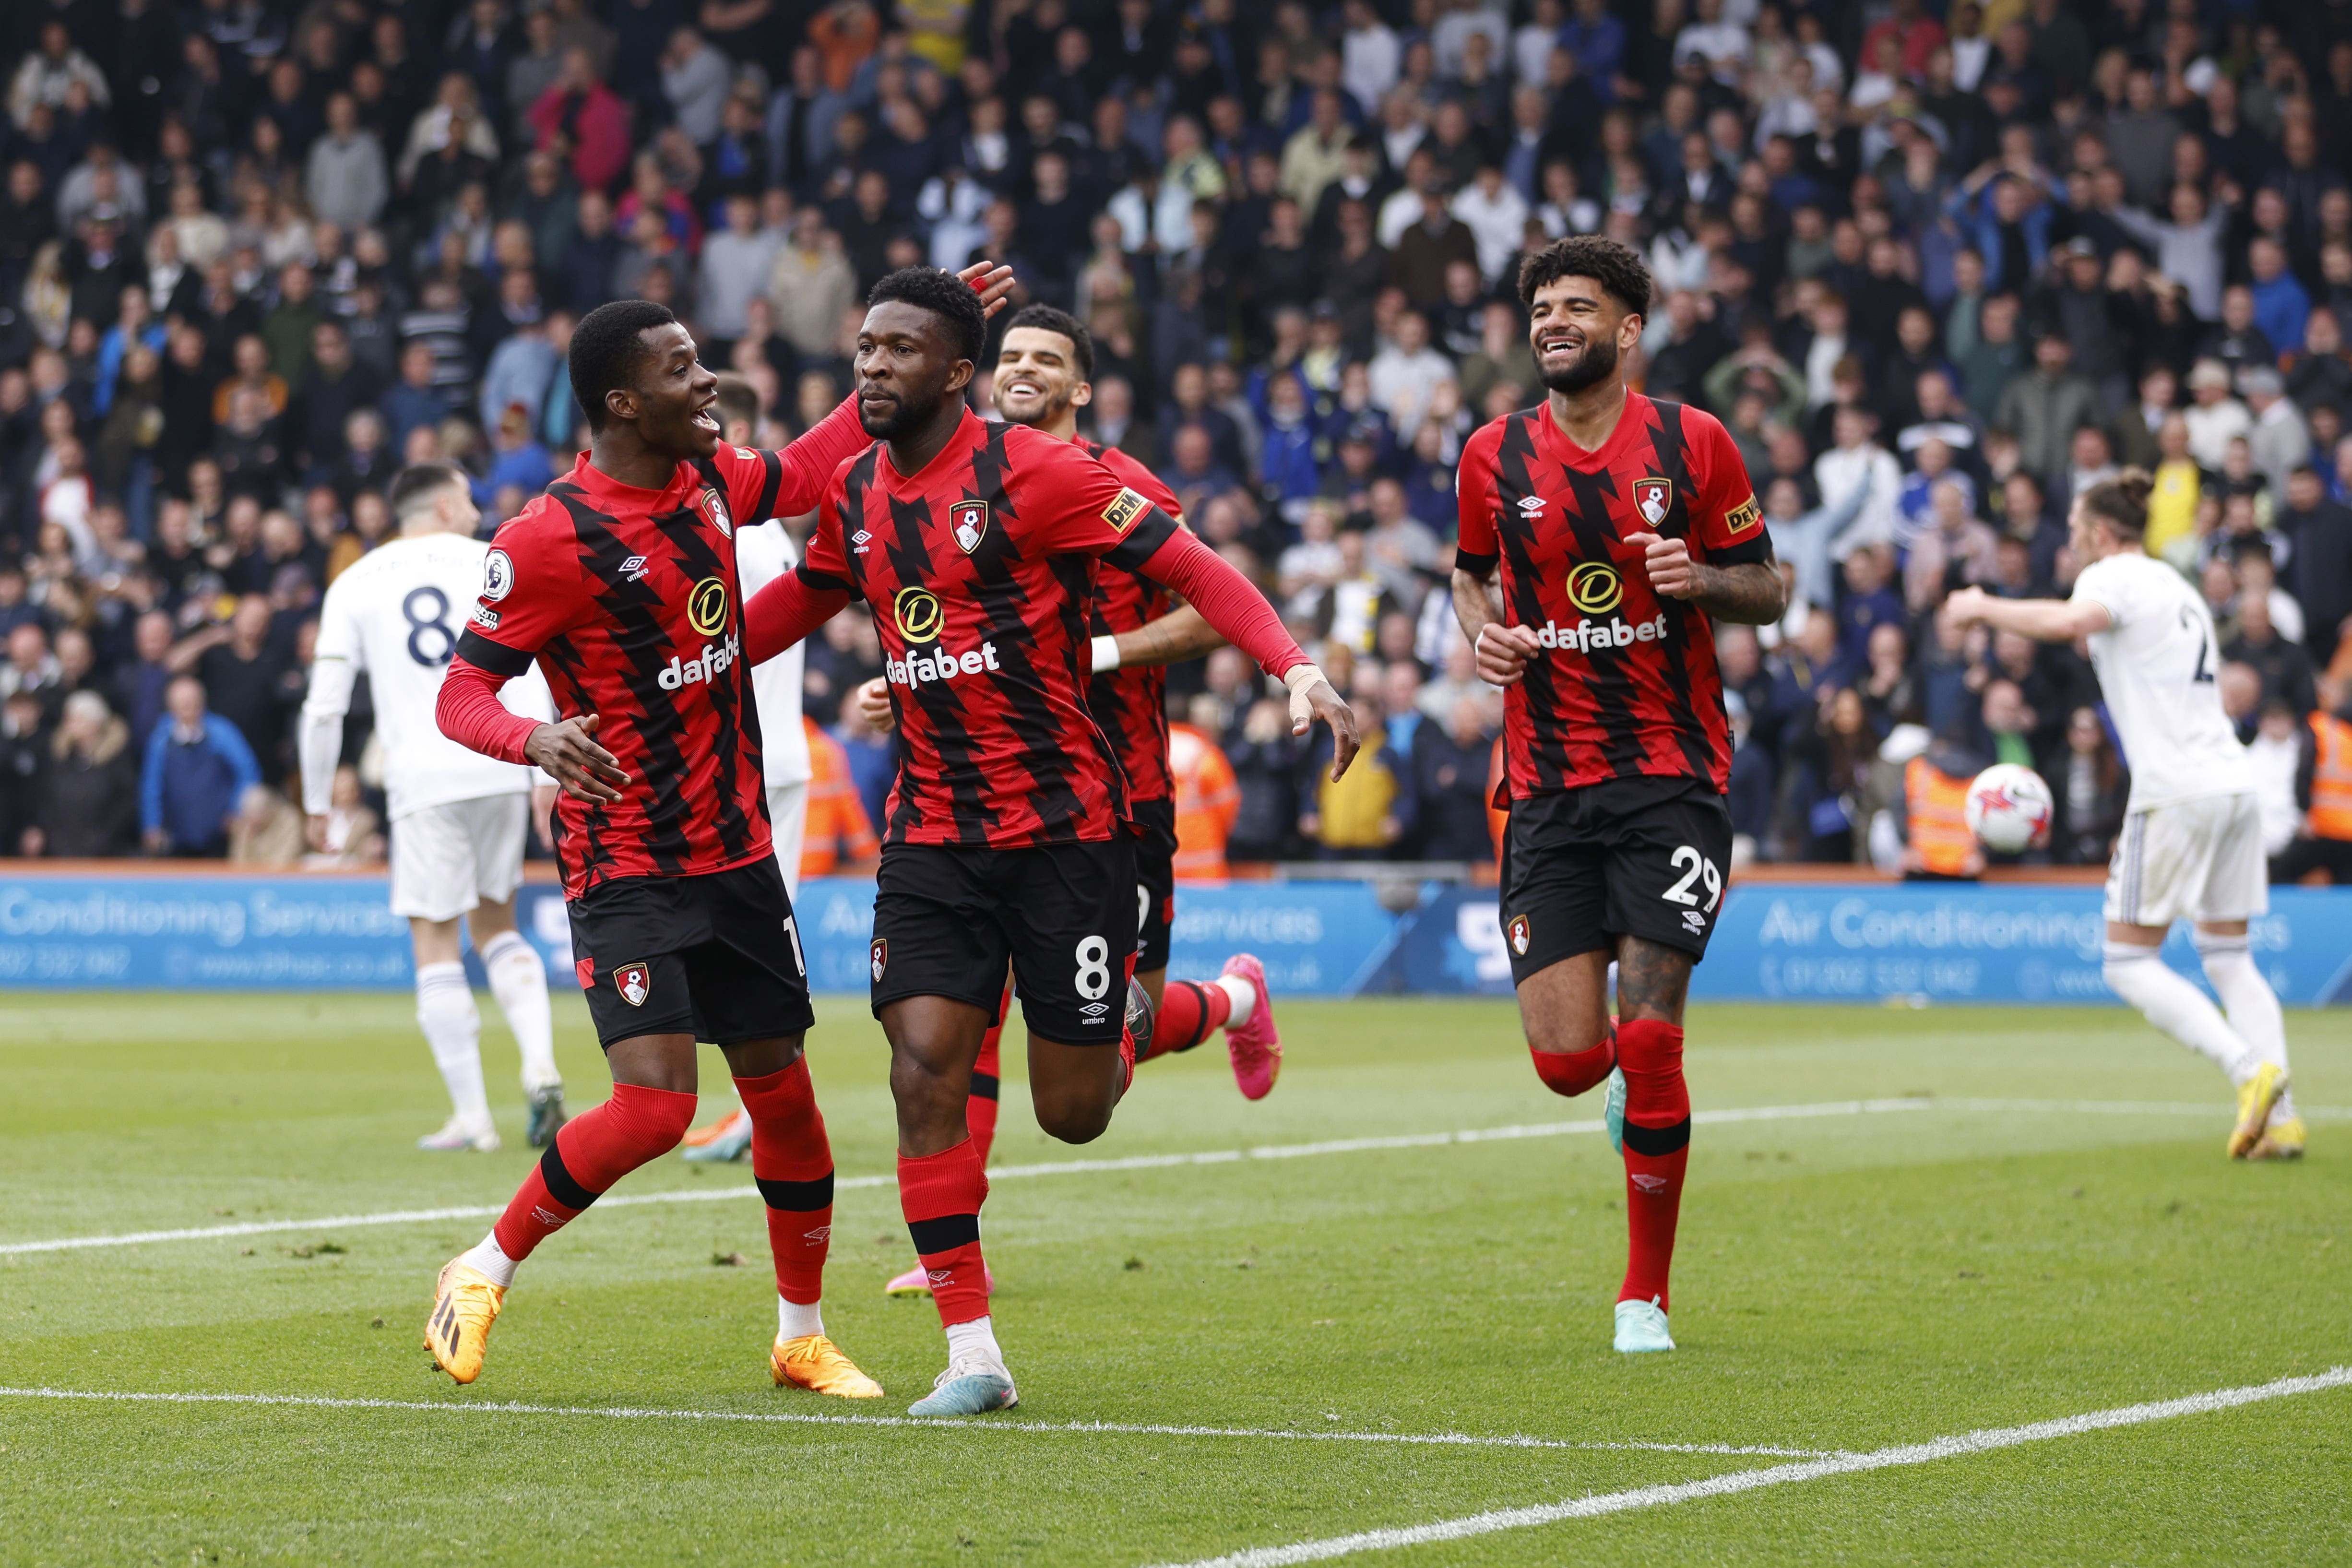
[(2098, 583), (321, 744)]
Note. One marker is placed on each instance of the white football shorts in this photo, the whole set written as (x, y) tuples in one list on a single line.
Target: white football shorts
[(446, 859), (2194, 859)]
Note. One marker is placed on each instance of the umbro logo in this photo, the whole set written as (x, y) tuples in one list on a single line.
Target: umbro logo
[(634, 569), (1694, 919), (940, 1276), (819, 1234), (1650, 1184), (861, 537), (1531, 506)]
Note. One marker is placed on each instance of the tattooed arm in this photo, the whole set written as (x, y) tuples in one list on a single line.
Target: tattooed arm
[(1750, 594)]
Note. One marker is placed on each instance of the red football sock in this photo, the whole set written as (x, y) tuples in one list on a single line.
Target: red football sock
[(1189, 1012), (1658, 1147), (589, 1154), (1573, 1072), (940, 1196), (987, 1081), (792, 1161)]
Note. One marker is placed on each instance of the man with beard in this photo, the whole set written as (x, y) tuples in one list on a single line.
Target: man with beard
[(1619, 524), (1045, 369), (1008, 837)]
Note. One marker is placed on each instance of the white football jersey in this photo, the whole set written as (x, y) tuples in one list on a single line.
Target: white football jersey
[(396, 614), (762, 554), (2158, 666)]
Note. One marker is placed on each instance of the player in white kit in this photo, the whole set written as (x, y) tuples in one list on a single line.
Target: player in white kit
[(458, 819), (2191, 846), (763, 553)]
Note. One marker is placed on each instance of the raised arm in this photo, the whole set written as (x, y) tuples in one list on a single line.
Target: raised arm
[(1241, 616), (2044, 620)]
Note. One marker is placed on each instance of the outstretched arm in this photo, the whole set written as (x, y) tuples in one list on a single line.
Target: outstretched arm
[(1240, 615), (788, 609), (2044, 620), (1182, 633)]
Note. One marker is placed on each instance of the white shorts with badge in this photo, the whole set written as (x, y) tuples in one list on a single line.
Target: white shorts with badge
[(2193, 859), (447, 860)]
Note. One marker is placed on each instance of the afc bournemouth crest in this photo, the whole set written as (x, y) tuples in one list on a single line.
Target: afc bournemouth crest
[(716, 507), (634, 982), (1519, 934), (881, 957), (968, 520), (1654, 499)]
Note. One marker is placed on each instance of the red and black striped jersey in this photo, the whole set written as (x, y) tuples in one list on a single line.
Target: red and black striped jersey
[(1132, 703), (1625, 683), (980, 570), (628, 600)]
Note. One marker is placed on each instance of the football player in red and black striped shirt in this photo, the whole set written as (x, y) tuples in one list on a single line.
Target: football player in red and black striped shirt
[(620, 583), (1619, 525), (1044, 366), (1008, 836)]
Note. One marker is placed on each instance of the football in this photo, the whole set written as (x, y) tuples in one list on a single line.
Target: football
[(2008, 808)]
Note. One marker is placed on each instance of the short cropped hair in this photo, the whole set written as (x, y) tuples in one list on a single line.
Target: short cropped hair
[(1046, 319), (413, 487), (945, 295), (606, 346), (1618, 269)]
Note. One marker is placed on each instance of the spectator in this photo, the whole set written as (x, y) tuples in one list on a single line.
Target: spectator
[(198, 769), (90, 801), (240, 675), (1449, 785), (2044, 407)]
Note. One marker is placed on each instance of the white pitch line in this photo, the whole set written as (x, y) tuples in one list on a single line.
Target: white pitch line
[(950, 1423), (1164, 1161), (1967, 1443)]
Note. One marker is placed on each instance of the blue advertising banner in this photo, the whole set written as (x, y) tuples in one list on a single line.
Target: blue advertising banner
[(200, 933), (1796, 942), (1873, 943)]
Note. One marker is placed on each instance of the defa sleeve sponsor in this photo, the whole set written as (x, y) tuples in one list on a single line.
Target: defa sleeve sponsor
[(1728, 523), (1080, 508)]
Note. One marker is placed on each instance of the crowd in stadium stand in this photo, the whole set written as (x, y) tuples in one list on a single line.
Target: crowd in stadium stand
[(1937, 269)]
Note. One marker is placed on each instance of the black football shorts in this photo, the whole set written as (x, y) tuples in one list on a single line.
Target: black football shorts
[(717, 956), (1638, 856), (1155, 881), (948, 918)]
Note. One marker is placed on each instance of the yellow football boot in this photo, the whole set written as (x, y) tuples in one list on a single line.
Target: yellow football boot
[(2280, 1141), (2256, 1096), (464, 1305), (814, 1362)]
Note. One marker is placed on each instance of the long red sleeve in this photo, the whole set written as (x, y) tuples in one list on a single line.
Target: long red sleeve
[(809, 461), (785, 612), (470, 713), (1225, 600)]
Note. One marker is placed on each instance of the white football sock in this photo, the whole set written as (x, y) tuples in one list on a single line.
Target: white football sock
[(795, 1321), (519, 980), (444, 1011), (2169, 1002), (2253, 1006), (1244, 995), (488, 1256), (977, 1338)]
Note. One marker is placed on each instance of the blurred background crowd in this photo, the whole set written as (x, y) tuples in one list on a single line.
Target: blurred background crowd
[(1936, 267)]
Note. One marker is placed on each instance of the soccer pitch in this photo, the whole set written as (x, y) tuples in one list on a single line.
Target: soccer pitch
[(1244, 1333)]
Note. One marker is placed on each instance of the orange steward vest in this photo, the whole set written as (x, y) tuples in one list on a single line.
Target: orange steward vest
[(1937, 807)]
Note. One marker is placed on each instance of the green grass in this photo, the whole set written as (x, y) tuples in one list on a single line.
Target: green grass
[(1844, 1283)]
